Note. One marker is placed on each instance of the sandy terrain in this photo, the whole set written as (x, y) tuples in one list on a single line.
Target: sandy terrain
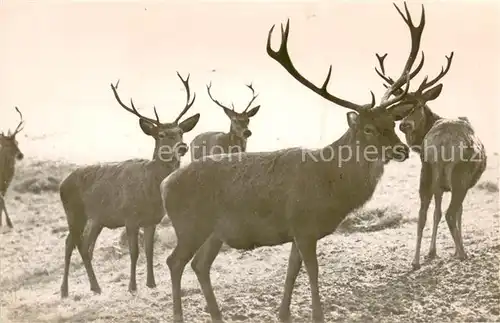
[(364, 267)]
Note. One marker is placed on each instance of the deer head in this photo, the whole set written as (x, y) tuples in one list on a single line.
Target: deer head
[(8, 142), (239, 120), (370, 124), (413, 111), (168, 136)]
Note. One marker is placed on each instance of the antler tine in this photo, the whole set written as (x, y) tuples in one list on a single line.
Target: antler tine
[(443, 72), (132, 110), (381, 59), (416, 36), (156, 114), (209, 86), (388, 79), (283, 58), (254, 96), (20, 126), (188, 97)]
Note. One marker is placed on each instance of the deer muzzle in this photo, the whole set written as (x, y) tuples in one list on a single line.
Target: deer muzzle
[(406, 126), (182, 149), (247, 133), (20, 156)]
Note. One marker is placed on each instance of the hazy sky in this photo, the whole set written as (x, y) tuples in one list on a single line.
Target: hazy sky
[(58, 59)]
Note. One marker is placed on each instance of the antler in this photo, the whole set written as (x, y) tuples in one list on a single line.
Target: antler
[(388, 79), (188, 97), (416, 36), (20, 126), (282, 57), (133, 110), (254, 96), (443, 72), (209, 86)]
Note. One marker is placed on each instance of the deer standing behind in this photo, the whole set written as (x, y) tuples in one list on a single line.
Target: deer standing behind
[(9, 153), (452, 155), (296, 195), (209, 143), (114, 195)]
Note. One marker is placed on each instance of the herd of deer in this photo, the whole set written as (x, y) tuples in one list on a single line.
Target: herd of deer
[(264, 198)]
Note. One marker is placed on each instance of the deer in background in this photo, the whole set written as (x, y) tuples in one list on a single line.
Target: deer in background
[(127, 193), (9, 153), (253, 199), (453, 157), (233, 141)]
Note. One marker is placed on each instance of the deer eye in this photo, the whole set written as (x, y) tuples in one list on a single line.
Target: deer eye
[(161, 135), (369, 130)]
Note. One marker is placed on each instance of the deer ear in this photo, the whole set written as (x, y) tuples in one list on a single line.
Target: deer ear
[(230, 113), (432, 93), (253, 111), (148, 128), (352, 119), (188, 124)]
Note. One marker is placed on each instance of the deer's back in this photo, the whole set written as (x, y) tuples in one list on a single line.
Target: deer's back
[(115, 193), (454, 149), (250, 199)]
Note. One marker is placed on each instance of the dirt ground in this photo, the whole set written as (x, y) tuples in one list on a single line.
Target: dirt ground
[(365, 267)]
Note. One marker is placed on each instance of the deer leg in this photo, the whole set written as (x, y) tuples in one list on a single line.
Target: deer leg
[(459, 230), (133, 246), (307, 249), (149, 236), (457, 197), (70, 245), (4, 209), (201, 264), (425, 192), (438, 198), (183, 252), (90, 234), (294, 264)]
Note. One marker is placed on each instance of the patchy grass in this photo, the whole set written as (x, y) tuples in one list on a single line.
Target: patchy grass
[(365, 268), (488, 186), (370, 220), (39, 177)]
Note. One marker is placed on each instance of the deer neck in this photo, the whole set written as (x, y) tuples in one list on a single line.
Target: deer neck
[(349, 153), (419, 134), (164, 163), (236, 140)]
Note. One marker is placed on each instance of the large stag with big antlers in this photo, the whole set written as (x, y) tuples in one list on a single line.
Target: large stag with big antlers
[(127, 193), (209, 143), (9, 153), (254, 199), (453, 157)]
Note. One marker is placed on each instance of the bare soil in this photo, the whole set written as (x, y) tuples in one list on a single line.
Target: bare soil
[(365, 267)]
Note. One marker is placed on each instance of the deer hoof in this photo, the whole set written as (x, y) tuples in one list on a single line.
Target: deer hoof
[(151, 285), (64, 293), (432, 254), (284, 316), (96, 290), (415, 265)]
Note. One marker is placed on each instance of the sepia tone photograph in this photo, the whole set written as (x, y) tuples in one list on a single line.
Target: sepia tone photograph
[(249, 161)]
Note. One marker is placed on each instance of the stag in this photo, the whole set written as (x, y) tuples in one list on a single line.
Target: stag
[(253, 199), (9, 152), (453, 157), (233, 141), (114, 195)]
